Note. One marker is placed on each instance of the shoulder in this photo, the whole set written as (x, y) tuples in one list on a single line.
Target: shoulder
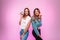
[(32, 18), (28, 17)]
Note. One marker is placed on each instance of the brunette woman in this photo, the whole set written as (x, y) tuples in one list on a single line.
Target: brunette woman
[(36, 23), (25, 24)]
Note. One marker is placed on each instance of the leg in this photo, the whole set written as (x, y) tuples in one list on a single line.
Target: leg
[(25, 36), (36, 37), (34, 34), (21, 32)]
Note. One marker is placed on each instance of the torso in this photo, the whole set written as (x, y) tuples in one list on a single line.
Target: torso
[(34, 19), (24, 22)]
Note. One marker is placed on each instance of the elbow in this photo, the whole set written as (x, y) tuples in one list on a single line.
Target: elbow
[(40, 24)]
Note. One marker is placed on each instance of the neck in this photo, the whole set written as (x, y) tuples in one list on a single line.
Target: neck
[(36, 15), (25, 16)]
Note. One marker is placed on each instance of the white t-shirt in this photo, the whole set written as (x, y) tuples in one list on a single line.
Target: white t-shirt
[(24, 22)]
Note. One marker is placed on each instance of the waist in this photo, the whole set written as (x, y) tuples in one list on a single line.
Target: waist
[(23, 30), (23, 26)]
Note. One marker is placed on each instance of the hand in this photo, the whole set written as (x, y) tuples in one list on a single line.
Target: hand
[(22, 13), (40, 36), (21, 37), (40, 16)]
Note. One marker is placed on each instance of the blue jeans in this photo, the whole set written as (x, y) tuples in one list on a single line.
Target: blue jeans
[(25, 36)]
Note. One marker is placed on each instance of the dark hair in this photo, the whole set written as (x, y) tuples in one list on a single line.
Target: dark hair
[(36, 9), (28, 12)]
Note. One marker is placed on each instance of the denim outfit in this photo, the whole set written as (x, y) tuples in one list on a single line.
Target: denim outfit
[(26, 34), (24, 23), (35, 24)]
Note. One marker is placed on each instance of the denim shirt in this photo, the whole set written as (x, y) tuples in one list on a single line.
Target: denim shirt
[(35, 24)]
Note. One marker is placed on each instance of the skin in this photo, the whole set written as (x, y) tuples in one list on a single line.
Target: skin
[(38, 14), (26, 12), (28, 25), (20, 19), (21, 16)]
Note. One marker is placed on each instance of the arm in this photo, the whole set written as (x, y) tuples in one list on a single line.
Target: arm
[(35, 25), (39, 21), (20, 22), (20, 19), (35, 28)]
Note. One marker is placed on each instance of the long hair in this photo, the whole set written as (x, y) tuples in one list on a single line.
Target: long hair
[(28, 12)]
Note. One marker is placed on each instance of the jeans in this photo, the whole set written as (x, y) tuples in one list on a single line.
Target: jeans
[(37, 37), (26, 34)]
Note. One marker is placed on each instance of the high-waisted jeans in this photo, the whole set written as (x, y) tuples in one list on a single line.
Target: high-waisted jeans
[(37, 37), (26, 34)]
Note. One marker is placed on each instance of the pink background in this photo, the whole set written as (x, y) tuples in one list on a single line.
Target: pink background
[(9, 23)]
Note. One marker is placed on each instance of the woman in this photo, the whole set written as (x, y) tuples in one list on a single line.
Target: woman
[(25, 24), (36, 23)]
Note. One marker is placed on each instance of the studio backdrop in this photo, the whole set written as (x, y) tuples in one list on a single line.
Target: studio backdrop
[(9, 21)]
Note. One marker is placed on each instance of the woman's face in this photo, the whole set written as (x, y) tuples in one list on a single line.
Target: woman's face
[(26, 12), (36, 12)]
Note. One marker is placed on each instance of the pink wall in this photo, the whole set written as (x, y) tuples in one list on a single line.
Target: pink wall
[(10, 10)]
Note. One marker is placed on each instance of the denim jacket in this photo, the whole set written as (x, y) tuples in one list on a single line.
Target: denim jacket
[(35, 24)]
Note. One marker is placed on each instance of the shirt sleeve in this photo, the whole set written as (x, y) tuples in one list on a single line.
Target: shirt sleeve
[(35, 28), (35, 25), (38, 23), (28, 19)]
